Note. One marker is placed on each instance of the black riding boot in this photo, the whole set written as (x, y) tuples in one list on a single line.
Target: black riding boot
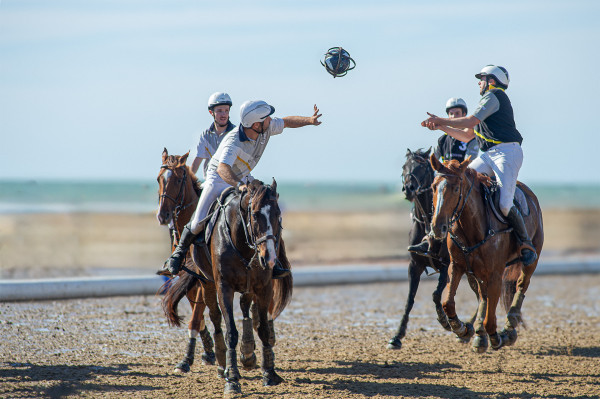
[(515, 219), (279, 271), (421, 248), (173, 264)]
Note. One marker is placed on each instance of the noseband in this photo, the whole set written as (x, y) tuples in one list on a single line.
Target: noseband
[(456, 213)]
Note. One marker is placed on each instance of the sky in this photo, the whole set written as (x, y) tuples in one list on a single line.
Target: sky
[(93, 90)]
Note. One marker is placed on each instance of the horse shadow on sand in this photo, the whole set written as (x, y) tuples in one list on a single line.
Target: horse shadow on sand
[(423, 375), (58, 381)]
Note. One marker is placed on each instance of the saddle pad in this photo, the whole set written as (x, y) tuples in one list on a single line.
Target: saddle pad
[(492, 194), (214, 211)]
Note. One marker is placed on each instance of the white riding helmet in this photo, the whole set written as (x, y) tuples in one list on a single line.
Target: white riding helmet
[(500, 74), (456, 103), (218, 98), (254, 111)]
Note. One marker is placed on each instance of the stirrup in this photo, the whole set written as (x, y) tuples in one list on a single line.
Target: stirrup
[(528, 254), (279, 271)]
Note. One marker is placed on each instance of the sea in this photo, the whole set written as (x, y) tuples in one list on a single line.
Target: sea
[(139, 196)]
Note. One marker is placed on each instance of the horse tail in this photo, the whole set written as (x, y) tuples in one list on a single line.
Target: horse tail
[(173, 295), (509, 284), (282, 288)]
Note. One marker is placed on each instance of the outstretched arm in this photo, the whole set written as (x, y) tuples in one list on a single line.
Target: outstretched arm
[(227, 174), (299, 121), (459, 128)]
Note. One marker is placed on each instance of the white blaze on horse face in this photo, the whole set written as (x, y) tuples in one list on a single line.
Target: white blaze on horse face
[(440, 198), (270, 242), (161, 199)]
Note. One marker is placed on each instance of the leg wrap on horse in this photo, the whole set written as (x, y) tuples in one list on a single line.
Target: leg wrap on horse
[(247, 347), (268, 359), (208, 357), (271, 333), (191, 351)]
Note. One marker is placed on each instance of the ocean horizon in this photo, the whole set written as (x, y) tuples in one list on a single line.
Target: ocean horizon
[(140, 196)]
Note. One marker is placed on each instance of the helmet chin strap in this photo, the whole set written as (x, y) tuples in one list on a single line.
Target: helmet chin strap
[(486, 87)]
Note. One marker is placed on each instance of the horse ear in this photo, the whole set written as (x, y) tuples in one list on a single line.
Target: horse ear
[(435, 163), (165, 155), (274, 185), (183, 159), (408, 152), (427, 153), (465, 164)]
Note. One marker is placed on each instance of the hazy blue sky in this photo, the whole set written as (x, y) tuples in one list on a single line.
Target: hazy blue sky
[(96, 89)]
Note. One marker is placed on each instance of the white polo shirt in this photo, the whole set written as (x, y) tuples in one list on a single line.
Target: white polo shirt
[(240, 152)]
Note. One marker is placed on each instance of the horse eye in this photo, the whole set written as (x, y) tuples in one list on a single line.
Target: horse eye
[(456, 189)]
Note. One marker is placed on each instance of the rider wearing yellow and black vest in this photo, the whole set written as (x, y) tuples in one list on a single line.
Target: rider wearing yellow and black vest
[(500, 142)]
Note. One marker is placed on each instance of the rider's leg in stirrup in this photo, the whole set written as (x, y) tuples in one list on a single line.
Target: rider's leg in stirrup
[(515, 219)]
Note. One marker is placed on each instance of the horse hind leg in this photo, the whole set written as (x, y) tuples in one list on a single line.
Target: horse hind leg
[(414, 272), (513, 319), (215, 315), (480, 342), (270, 377)]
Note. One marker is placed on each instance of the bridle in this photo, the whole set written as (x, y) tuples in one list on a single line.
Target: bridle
[(250, 235), (421, 189), (457, 213), (178, 200)]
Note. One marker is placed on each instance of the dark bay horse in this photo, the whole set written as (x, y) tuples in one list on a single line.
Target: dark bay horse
[(481, 245), (417, 177), (179, 191), (245, 244)]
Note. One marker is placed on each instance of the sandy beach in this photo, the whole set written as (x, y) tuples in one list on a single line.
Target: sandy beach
[(80, 244)]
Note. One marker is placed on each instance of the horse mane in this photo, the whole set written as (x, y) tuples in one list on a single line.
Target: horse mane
[(259, 192), (453, 167), (173, 160)]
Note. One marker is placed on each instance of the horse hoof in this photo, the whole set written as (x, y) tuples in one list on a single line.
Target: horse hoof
[(394, 344), (480, 344), (271, 378), (468, 333), (208, 358), (462, 340), (232, 389), (221, 372), (182, 367), (509, 337), (248, 363), (496, 341)]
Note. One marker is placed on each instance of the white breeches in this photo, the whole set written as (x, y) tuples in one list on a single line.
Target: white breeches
[(504, 160), (211, 189)]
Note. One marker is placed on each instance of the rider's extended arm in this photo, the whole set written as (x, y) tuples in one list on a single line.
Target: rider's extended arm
[(227, 174)]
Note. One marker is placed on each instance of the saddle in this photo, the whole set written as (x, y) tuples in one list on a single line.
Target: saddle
[(208, 224), (491, 196)]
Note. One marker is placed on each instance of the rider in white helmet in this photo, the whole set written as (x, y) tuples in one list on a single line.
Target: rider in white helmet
[(448, 147), (493, 125), (219, 104), (237, 155)]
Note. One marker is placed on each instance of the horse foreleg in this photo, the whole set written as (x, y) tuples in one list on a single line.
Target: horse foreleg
[(414, 272), (247, 355), (493, 290), (458, 327), (210, 299), (232, 374), (480, 342), (270, 377), (437, 298)]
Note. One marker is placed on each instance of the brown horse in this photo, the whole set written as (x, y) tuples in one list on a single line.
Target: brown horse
[(179, 191), (245, 244), (481, 245)]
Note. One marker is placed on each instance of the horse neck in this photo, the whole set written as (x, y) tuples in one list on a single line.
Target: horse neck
[(424, 201), (473, 222)]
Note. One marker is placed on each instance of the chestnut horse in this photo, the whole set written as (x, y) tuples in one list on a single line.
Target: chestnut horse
[(481, 245), (245, 245), (179, 191), (417, 177)]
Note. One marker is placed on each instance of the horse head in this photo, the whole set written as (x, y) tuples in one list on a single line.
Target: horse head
[(264, 220), (172, 179), (417, 174), (451, 188)]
